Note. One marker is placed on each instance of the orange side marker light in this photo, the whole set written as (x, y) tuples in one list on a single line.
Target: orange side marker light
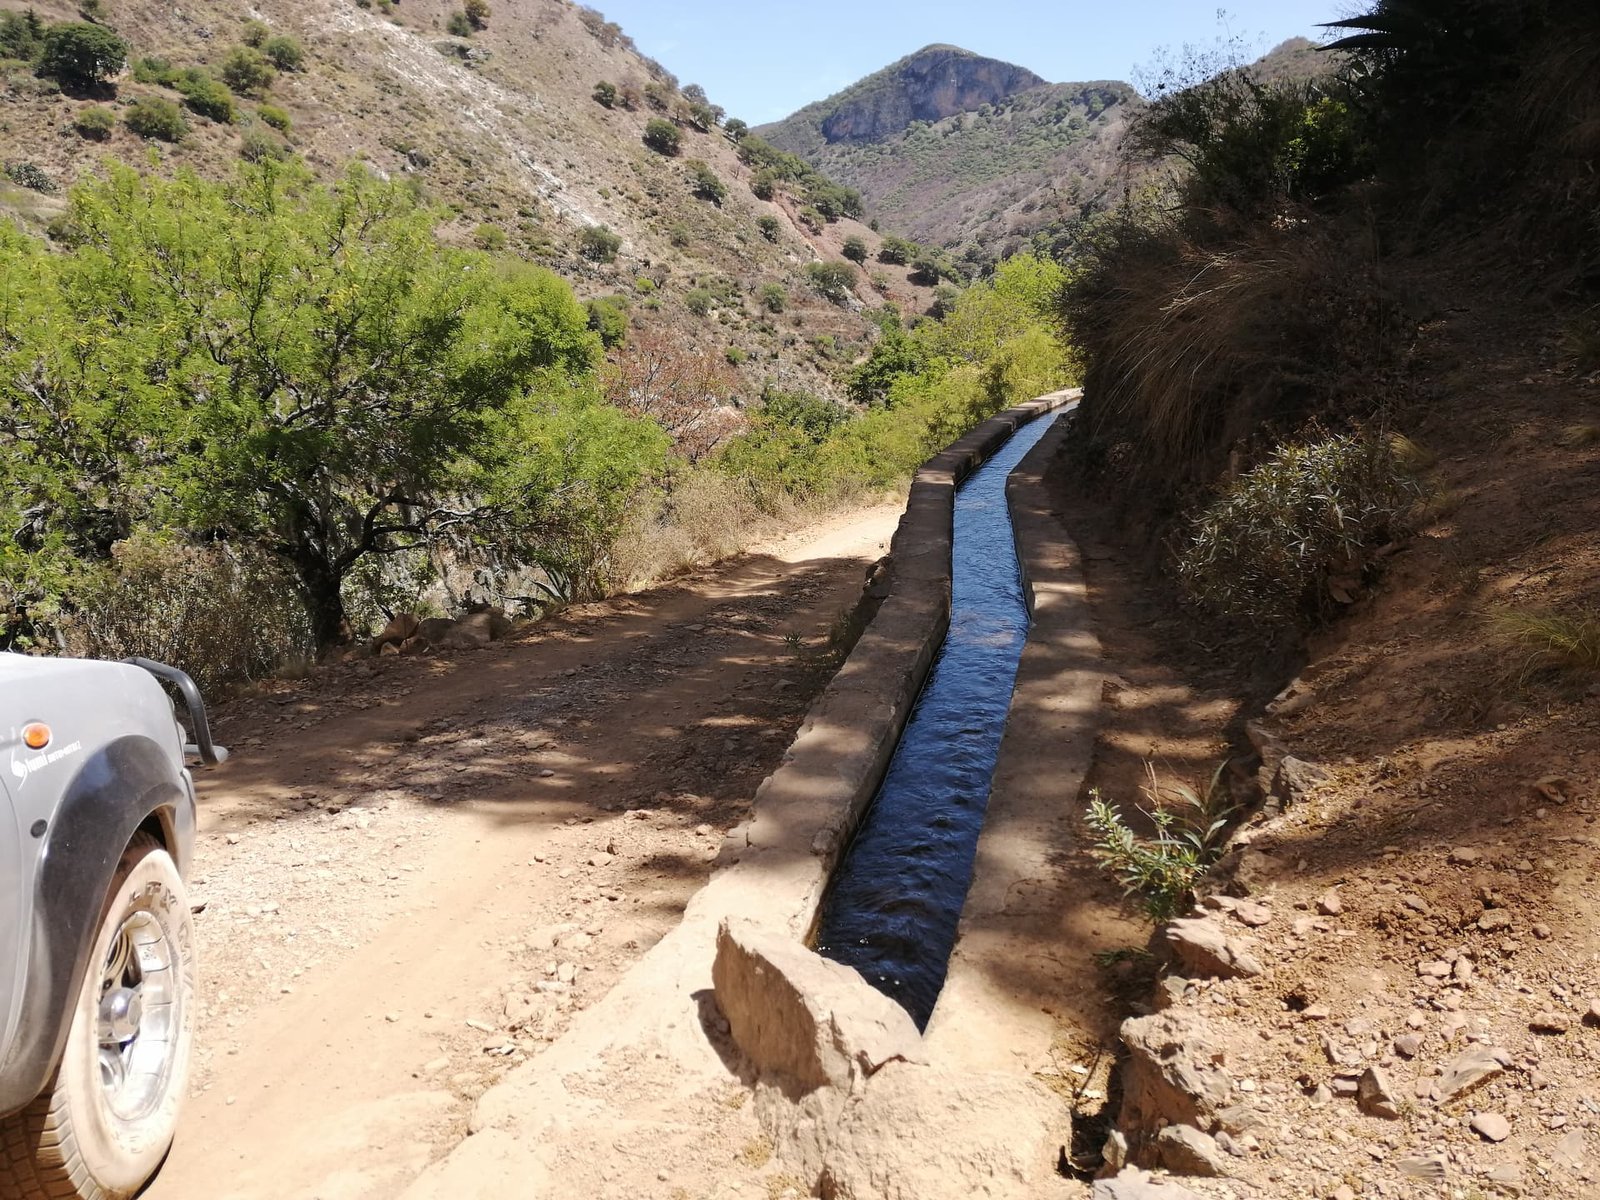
[(36, 736)]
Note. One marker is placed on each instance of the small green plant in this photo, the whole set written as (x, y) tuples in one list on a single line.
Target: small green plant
[(459, 25), (274, 116), (1160, 871), (833, 281), (207, 97), (735, 356), (605, 94), (489, 237), (31, 176), (698, 301), (599, 244), (255, 33), (680, 236), (257, 145), (774, 297), (157, 118), (95, 123), (155, 70), (1551, 641)]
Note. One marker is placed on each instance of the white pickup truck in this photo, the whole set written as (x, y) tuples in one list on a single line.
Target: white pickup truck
[(97, 958)]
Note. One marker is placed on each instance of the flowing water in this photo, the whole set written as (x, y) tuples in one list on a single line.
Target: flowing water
[(895, 899)]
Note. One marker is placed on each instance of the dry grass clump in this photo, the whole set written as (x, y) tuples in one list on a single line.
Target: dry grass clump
[(704, 517), (1550, 641), (224, 618), (1195, 351)]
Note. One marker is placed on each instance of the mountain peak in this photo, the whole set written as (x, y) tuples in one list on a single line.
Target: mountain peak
[(935, 82)]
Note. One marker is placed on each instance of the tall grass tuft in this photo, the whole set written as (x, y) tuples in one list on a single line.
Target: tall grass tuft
[(1550, 641)]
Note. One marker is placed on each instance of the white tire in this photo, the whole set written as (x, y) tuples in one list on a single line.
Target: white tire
[(106, 1122)]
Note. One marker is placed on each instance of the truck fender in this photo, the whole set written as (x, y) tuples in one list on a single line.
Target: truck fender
[(115, 791)]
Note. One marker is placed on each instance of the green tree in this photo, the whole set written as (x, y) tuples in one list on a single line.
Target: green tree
[(833, 281), (304, 370), (284, 53), (855, 249), (735, 129), (599, 244), (247, 71), (898, 251), (706, 185), (81, 55), (769, 226), (21, 35), (662, 136)]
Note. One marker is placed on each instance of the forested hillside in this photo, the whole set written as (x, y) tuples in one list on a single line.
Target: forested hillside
[(317, 311)]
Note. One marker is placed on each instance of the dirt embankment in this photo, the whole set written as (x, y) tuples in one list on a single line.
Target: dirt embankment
[(414, 872), (1420, 1016)]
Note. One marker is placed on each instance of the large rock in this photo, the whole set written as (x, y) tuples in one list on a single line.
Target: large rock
[(1202, 947), (1173, 1075), (914, 1133), (434, 628), (1184, 1150), (1134, 1184), (1297, 779), (795, 1014), (401, 627)]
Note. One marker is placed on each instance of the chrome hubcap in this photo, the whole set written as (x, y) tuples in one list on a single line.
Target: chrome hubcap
[(138, 1016)]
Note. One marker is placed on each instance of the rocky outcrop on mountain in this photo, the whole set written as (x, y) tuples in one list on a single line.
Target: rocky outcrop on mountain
[(934, 83)]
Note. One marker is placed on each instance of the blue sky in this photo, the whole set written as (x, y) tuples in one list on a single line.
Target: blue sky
[(762, 59)]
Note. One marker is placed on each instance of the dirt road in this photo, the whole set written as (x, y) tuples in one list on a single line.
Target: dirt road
[(414, 871)]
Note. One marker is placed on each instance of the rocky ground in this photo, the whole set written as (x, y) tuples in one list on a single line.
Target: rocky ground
[(416, 870)]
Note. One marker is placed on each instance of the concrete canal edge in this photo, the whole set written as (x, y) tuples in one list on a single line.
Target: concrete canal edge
[(659, 1037)]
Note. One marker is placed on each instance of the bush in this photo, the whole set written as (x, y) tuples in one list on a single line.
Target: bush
[(855, 249), (764, 184), (897, 251), (706, 185), (812, 219), (680, 236), (833, 281), (82, 55), (608, 316), (156, 117), (156, 70), (274, 116), (1291, 538), (599, 243), (605, 94), (769, 226), (208, 97), (21, 35), (255, 33), (489, 237), (247, 71), (698, 301), (257, 145), (774, 297), (95, 123), (926, 270), (477, 12), (662, 136), (458, 24), (284, 53), (735, 356)]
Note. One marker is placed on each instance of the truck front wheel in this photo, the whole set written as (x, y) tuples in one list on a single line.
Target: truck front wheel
[(107, 1120)]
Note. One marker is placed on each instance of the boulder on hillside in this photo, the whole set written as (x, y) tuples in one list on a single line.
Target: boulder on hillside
[(401, 627), (433, 629), (1134, 1184)]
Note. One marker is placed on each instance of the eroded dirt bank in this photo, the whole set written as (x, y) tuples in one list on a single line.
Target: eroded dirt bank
[(415, 871)]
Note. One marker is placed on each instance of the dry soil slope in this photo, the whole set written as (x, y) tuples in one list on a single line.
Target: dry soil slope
[(502, 128)]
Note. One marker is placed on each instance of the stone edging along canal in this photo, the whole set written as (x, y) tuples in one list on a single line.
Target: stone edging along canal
[(772, 871)]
